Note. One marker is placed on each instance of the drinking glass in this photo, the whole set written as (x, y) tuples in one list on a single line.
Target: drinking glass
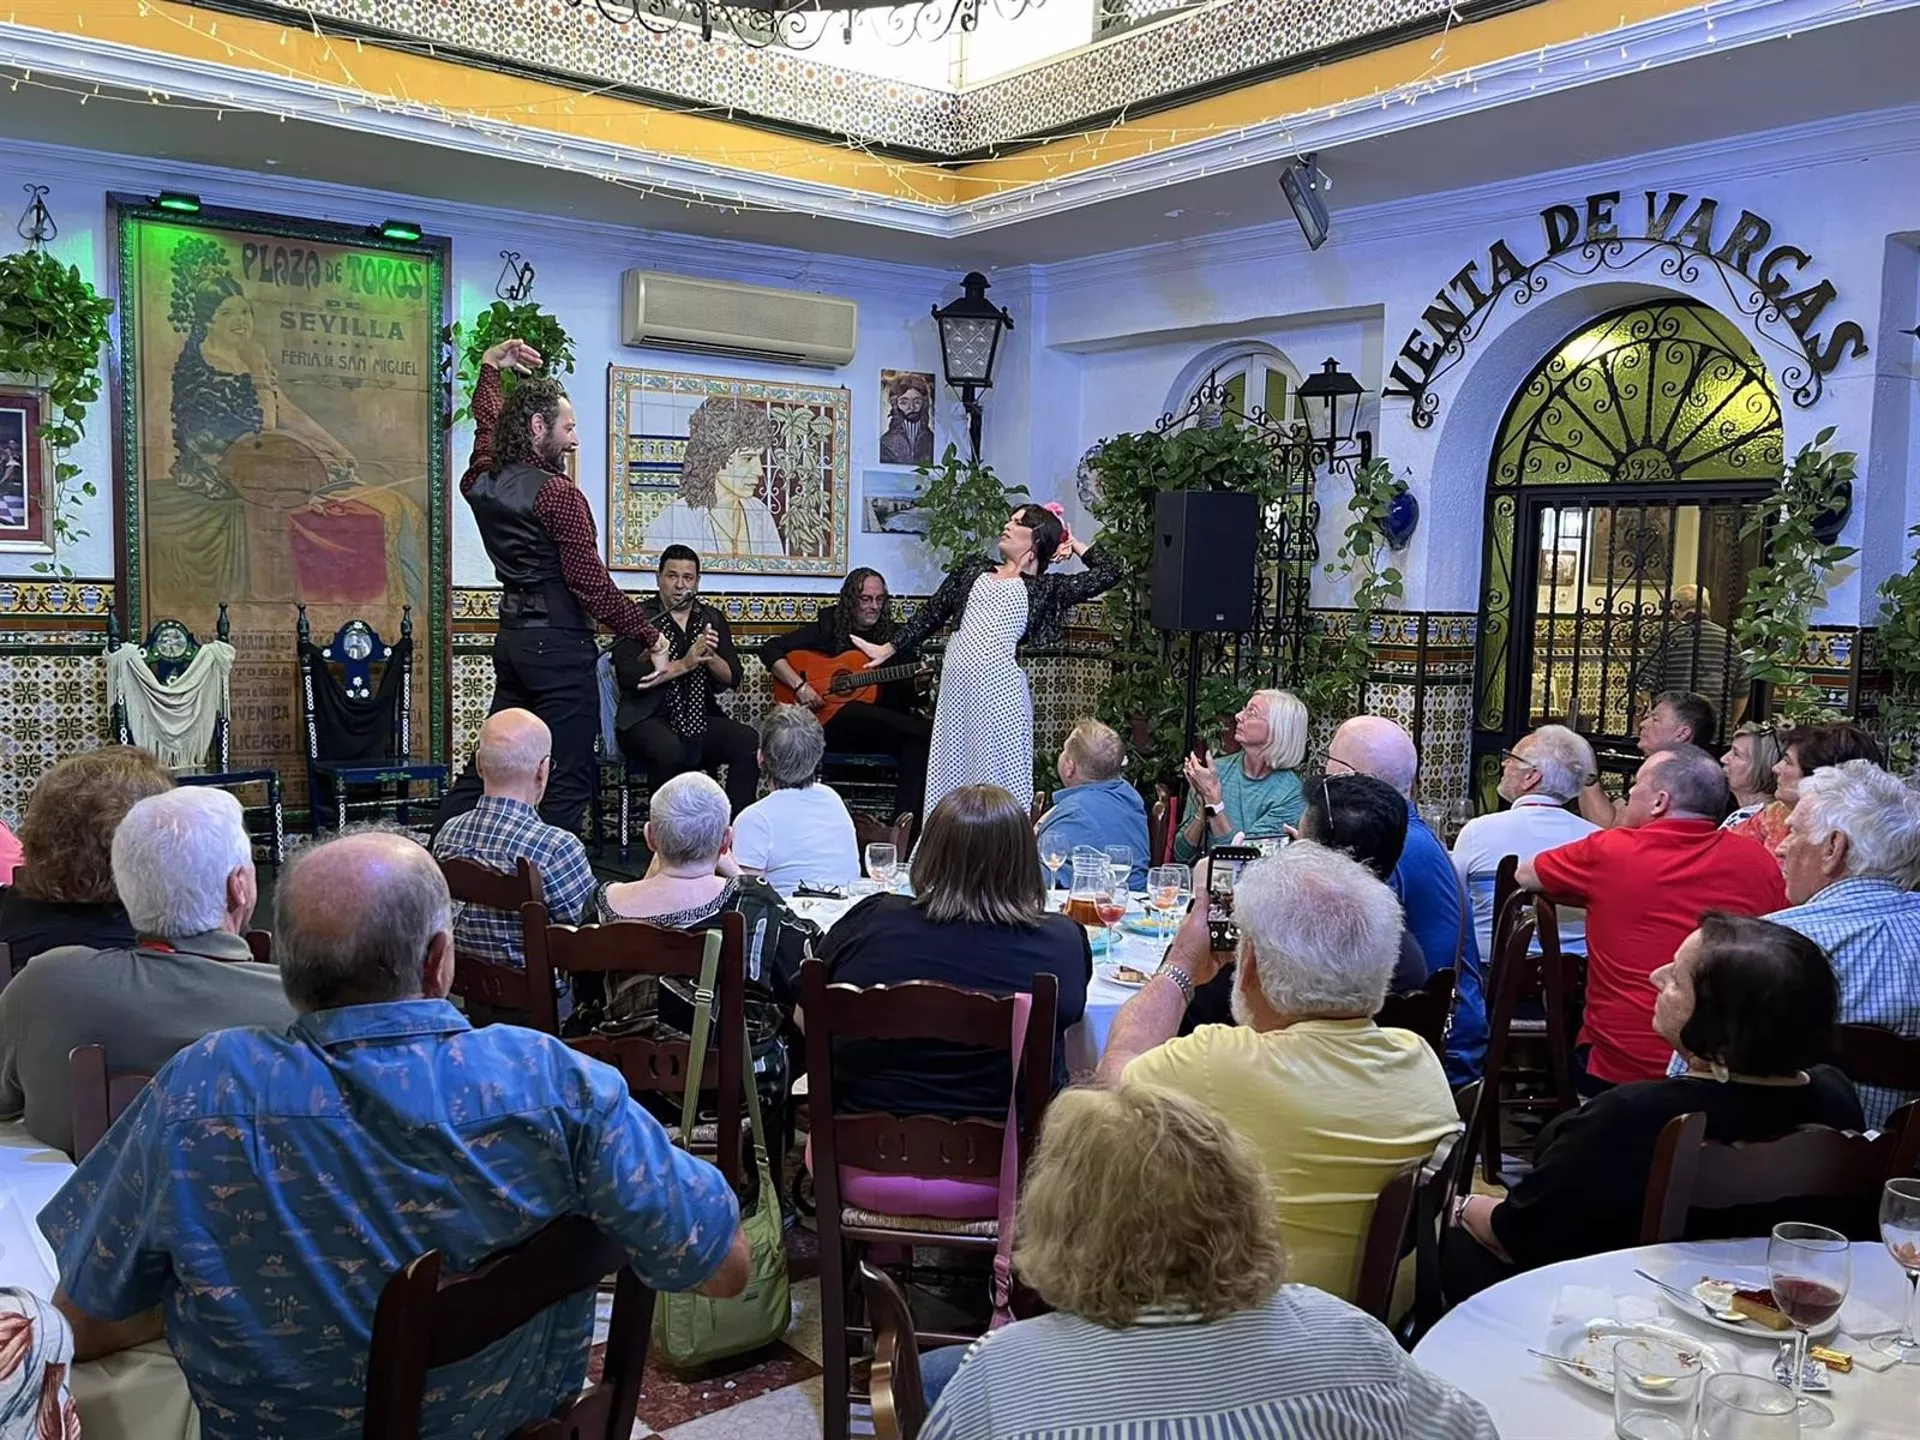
[(1458, 814), (1746, 1407), (1163, 894), (1900, 1228), (1183, 876), (1656, 1388), (1053, 854), (1810, 1270), (1120, 857), (1110, 904), (881, 862)]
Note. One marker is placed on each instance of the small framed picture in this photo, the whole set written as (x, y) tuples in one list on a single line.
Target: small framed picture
[(26, 473)]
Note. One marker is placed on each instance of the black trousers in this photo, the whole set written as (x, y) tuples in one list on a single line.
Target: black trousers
[(663, 752), (551, 673), (862, 729)]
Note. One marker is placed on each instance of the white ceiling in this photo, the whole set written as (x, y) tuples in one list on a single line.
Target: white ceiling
[(1858, 67)]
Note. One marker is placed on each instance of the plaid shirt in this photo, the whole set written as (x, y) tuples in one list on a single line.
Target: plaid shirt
[(1870, 928), (499, 834)]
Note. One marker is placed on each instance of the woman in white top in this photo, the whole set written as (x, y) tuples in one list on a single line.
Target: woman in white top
[(801, 834)]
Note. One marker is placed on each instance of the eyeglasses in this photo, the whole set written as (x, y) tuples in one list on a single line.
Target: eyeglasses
[(1324, 761), (1518, 759)]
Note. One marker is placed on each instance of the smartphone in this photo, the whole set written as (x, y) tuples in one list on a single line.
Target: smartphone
[(1224, 864)]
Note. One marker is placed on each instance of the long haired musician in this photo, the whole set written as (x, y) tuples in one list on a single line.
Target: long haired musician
[(882, 720)]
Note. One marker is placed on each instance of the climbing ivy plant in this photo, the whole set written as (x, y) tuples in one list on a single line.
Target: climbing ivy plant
[(965, 505), (503, 321), (1339, 664), (1899, 648)]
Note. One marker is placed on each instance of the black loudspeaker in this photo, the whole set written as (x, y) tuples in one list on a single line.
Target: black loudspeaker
[(1204, 544)]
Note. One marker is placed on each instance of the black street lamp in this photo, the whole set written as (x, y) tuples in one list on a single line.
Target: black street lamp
[(1330, 404), (969, 343)]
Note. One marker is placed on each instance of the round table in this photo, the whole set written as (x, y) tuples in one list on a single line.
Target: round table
[(1481, 1345)]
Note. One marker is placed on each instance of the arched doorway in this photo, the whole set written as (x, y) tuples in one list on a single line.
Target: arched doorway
[(1627, 467)]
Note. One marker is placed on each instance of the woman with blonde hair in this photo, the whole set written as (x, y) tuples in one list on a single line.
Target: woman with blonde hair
[(1149, 1226), (1751, 755), (1256, 791)]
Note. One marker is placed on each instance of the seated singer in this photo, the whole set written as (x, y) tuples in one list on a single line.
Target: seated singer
[(671, 726), (886, 721)]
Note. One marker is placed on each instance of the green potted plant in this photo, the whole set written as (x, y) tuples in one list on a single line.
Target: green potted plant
[(503, 321), (53, 325), (1338, 665), (965, 505), (1899, 653)]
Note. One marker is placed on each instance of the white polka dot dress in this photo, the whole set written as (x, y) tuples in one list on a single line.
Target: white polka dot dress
[(983, 719)]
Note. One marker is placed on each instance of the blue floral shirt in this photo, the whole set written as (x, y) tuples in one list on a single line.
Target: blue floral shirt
[(266, 1184)]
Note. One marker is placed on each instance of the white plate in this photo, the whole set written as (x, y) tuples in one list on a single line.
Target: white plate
[(1591, 1342), (1111, 974), (1745, 1277)]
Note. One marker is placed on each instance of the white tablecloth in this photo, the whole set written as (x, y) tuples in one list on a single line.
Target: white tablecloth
[(136, 1395), (1481, 1345)]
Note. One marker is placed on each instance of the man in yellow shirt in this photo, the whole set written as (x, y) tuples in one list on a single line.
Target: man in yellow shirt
[(1334, 1104)]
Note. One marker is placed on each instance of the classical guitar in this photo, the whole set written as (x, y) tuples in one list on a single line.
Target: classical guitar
[(838, 680)]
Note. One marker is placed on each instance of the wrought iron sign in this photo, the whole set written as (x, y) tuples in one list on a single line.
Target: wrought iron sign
[(1766, 282)]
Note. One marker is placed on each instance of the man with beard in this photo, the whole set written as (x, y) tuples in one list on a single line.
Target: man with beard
[(1331, 1103), (540, 536), (891, 724), (909, 435)]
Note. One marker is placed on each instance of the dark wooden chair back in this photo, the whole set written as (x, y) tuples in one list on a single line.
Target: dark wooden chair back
[(1037, 806), (1873, 1055), (633, 947), (1508, 903), (1812, 1163), (868, 830), (260, 946), (893, 1382), (1160, 820), (1407, 1218), (6, 964), (96, 1097), (1426, 1012), (488, 982), (426, 1320)]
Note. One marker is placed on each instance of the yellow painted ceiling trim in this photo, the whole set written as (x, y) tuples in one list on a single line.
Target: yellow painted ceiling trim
[(526, 108)]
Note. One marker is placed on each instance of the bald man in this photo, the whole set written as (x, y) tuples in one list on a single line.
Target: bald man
[(515, 759), (261, 1190), (1439, 914)]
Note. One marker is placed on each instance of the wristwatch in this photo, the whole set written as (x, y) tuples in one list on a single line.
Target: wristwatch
[(1181, 978), (1216, 807)]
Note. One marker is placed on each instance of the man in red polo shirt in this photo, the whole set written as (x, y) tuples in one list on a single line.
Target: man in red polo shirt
[(1645, 885)]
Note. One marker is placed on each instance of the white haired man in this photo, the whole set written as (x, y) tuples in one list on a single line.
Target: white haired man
[(801, 833), (1333, 1103), (184, 868), (1852, 860), (267, 1183)]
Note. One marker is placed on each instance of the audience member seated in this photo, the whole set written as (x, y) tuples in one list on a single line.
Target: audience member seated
[(1676, 718), (265, 1186), (1257, 790), (1750, 1006), (10, 854), (1852, 860), (1436, 903), (184, 866), (1096, 805), (801, 833), (1805, 749), (1645, 886), (1147, 1224), (64, 894), (692, 883), (977, 919), (515, 759), (1367, 819), (1333, 1104), (1749, 765)]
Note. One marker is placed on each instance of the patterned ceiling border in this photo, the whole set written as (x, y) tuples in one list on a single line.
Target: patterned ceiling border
[(1184, 54)]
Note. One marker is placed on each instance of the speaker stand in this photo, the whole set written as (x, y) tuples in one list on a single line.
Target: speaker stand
[(1193, 736)]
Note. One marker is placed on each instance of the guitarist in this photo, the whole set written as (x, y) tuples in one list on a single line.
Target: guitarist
[(893, 725)]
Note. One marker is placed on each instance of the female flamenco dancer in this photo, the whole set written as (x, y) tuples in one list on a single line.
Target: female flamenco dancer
[(983, 719)]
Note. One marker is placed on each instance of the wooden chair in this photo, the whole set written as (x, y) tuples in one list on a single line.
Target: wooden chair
[(488, 982), (260, 946), (925, 1146), (169, 649), (96, 1098), (651, 1066), (1811, 1163), (425, 1320), (893, 1383), (6, 964), (1873, 1055), (366, 675), (1160, 820), (868, 830), (1037, 806), (1406, 1219), (1427, 1012)]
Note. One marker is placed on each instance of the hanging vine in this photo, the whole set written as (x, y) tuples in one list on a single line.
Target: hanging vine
[(1340, 664), (502, 321), (53, 326), (1776, 618)]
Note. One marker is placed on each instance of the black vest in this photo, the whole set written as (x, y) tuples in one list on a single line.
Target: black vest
[(525, 556)]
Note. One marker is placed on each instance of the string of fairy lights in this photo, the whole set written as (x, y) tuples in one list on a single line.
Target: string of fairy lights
[(869, 179)]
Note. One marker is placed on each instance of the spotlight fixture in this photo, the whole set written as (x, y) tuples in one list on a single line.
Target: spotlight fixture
[(178, 202), (1302, 183), (407, 232)]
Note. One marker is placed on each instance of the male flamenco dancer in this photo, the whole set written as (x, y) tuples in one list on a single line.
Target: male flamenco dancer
[(546, 553)]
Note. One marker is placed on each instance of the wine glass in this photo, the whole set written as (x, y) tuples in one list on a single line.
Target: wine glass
[(1163, 894), (1458, 814), (1183, 877), (1746, 1407), (1110, 904), (882, 859), (1900, 1228), (1810, 1269), (1053, 854), (1120, 859)]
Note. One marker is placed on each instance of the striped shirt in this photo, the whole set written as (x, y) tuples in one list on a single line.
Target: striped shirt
[(1870, 929), (499, 833), (1698, 656), (1302, 1366)]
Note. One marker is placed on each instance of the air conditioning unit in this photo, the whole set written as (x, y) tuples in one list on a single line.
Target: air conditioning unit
[(719, 317)]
